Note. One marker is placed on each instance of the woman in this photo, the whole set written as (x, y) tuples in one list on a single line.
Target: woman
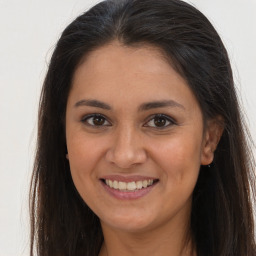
[(141, 145)]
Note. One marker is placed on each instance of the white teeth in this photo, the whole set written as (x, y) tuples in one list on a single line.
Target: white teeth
[(122, 185), (144, 183), (131, 185), (128, 186), (115, 184), (139, 184)]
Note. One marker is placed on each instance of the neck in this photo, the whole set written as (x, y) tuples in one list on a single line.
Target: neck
[(158, 242)]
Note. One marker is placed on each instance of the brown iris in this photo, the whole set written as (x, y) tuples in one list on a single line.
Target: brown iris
[(159, 121), (98, 120)]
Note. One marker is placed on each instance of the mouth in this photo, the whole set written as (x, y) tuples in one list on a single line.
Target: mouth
[(129, 186)]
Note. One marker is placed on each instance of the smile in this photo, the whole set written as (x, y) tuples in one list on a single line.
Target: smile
[(128, 186)]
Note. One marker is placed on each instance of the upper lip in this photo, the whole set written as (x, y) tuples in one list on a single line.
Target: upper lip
[(127, 178)]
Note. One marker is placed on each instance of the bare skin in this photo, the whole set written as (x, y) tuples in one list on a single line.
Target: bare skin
[(130, 118), (166, 242)]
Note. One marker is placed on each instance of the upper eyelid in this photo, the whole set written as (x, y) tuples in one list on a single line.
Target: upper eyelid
[(171, 119), (93, 115)]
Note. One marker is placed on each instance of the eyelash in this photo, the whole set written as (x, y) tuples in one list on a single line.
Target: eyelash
[(167, 119)]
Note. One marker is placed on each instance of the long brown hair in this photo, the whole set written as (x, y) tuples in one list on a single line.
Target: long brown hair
[(222, 215)]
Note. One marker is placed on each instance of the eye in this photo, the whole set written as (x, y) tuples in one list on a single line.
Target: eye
[(96, 120), (160, 121)]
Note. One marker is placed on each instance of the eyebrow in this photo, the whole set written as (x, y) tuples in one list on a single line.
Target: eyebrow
[(160, 104), (93, 103), (143, 107)]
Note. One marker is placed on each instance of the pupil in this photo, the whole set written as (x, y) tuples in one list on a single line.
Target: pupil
[(160, 121), (98, 120)]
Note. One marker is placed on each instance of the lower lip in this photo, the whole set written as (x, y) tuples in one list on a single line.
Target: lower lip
[(128, 195)]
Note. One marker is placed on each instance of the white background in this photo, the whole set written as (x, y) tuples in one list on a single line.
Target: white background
[(28, 31)]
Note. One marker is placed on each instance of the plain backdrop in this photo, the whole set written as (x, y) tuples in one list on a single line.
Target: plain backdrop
[(29, 30)]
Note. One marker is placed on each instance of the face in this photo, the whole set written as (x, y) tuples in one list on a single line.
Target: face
[(135, 138)]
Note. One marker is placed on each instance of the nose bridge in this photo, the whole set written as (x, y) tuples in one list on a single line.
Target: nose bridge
[(127, 147)]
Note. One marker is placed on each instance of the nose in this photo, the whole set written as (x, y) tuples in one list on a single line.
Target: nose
[(126, 149)]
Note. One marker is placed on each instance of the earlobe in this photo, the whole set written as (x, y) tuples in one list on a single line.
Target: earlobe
[(67, 156), (212, 136)]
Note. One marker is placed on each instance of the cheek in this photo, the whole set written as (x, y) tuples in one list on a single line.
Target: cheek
[(179, 158), (84, 154), (83, 159)]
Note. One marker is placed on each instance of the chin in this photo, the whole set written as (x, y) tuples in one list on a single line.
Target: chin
[(131, 223)]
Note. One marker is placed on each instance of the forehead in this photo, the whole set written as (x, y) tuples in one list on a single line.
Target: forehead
[(118, 57), (128, 74)]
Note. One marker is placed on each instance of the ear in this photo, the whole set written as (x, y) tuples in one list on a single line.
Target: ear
[(67, 156), (213, 132)]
